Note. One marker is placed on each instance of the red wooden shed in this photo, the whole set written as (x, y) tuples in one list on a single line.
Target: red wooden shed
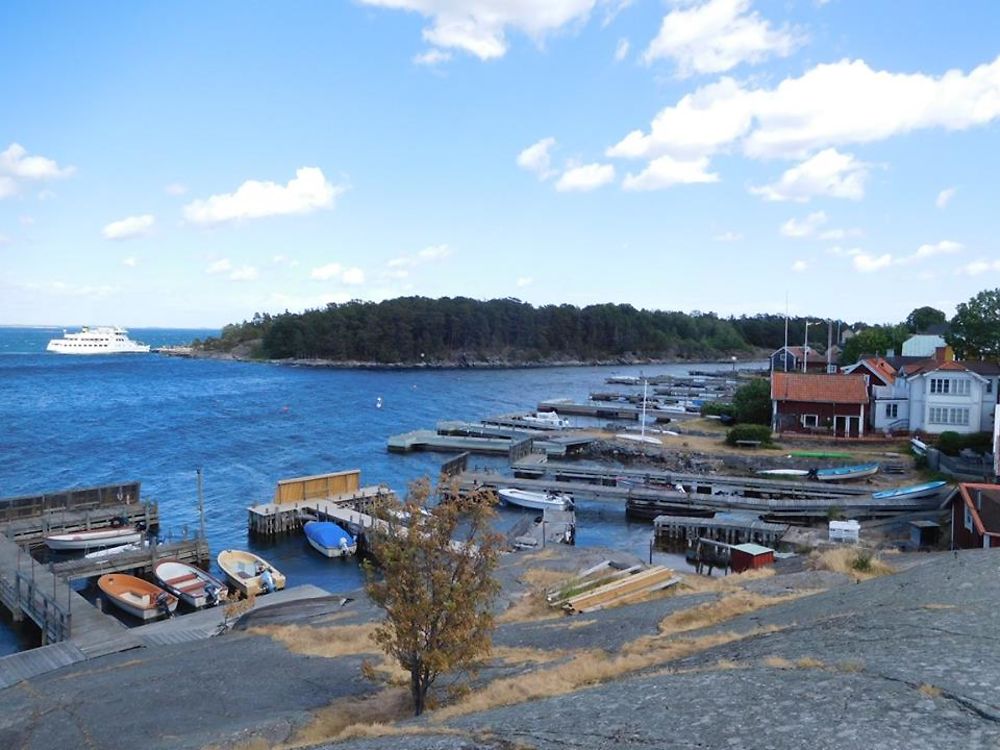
[(749, 557)]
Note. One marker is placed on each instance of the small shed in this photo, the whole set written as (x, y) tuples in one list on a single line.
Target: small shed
[(744, 557), (924, 533), (844, 531)]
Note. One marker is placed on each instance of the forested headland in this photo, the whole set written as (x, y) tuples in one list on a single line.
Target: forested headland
[(458, 330)]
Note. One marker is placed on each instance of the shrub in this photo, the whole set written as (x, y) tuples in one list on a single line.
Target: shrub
[(949, 443), (757, 432), (753, 402), (716, 409)]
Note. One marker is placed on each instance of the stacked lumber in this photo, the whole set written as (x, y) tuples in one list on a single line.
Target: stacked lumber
[(604, 586)]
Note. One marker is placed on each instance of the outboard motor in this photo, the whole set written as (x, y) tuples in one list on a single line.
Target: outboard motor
[(211, 594), (163, 603)]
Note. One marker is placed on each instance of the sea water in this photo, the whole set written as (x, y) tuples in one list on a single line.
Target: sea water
[(82, 421)]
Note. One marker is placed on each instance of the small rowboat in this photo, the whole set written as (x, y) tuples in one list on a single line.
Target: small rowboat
[(782, 472), (536, 500), (137, 597), (912, 492), (329, 539), (189, 583), (248, 572), (108, 537), (846, 473)]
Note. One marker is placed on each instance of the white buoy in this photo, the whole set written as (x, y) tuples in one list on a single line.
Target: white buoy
[(378, 403)]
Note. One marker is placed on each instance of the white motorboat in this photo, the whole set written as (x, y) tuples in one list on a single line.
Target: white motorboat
[(108, 537), (536, 500), (250, 574), (98, 340), (547, 420), (190, 583), (112, 551), (329, 539)]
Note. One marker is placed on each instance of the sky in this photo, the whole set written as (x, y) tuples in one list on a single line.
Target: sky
[(191, 163)]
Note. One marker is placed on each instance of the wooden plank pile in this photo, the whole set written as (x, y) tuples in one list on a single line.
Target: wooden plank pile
[(605, 585)]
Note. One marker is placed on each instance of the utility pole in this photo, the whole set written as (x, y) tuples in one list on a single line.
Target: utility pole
[(829, 347), (201, 505)]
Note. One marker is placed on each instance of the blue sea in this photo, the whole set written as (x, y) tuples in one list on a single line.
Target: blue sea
[(84, 421)]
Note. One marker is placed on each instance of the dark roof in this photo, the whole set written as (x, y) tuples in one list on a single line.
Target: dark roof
[(981, 367), (819, 388)]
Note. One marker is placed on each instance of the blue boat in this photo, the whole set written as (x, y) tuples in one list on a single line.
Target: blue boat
[(845, 473), (329, 539), (913, 491)]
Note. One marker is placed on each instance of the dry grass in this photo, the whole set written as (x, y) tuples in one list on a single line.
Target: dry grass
[(931, 691), (328, 642), (585, 669), (726, 608), (697, 584), (850, 666), (339, 720), (530, 607), (937, 606), (806, 662), (856, 562), (512, 656)]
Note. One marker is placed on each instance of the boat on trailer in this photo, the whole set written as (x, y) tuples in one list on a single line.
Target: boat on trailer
[(911, 492), (136, 596), (846, 473), (190, 583), (330, 539), (245, 571), (536, 500), (108, 537)]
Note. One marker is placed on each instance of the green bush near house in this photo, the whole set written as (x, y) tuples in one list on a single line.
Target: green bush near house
[(757, 432), (952, 443), (717, 408), (753, 402)]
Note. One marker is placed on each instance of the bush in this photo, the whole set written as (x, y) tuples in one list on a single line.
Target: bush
[(753, 402), (757, 432), (716, 409), (949, 443)]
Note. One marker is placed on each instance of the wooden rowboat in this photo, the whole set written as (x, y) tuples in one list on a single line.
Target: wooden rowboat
[(139, 598), (190, 583), (245, 570)]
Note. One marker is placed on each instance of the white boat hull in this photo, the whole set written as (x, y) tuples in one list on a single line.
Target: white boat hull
[(535, 500), (188, 582), (333, 551), (92, 539)]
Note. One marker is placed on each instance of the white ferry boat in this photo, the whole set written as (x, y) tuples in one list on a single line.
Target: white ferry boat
[(98, 340)]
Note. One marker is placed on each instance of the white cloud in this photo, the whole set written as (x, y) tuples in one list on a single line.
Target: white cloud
[(621, 50), (220, 266), (244, 273), (586, 177), (523, 281), (839, 234), (799, 266), (728, 236), (175, 188), (308, 191), (131, 262), (480, 27), (978, 267), (7, 186), (15, 162), (536, 158), (944, 247), (945, 196), (399, 268), (828, 173), (432, 57), (868, 263), (46, 195), (834, 104), (807, 227), (127, 228), (336, 272), (716, 36), (434, 252), (667, 171)]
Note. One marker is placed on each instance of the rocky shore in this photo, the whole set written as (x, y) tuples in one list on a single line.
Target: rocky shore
[(802, 658)]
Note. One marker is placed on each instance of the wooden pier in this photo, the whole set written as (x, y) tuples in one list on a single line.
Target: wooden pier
[(675, 532), (537, 532), (32, 531), (192, 551), (272, 519), (429, 440)]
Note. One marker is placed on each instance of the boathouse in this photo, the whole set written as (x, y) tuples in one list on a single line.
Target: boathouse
[(819, 403), (743, 557), (975, 516)]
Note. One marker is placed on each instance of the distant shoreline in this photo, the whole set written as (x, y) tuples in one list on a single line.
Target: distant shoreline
[(456, 364)]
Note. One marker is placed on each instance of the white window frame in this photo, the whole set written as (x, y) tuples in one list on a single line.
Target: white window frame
[(968, 519), (891, 411), (805, 417), (940, 386), (963, 387)]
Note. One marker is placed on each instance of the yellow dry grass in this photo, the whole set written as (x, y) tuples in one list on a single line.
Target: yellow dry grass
[(697, 584), (524, 655), (860, 564), (931, 691), (805, 662), (730, 606), (328, 642), (587, 668)]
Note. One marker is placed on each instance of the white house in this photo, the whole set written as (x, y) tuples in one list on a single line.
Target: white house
[(936, 396)]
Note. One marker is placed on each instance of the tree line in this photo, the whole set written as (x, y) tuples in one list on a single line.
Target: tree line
[(410, 330)]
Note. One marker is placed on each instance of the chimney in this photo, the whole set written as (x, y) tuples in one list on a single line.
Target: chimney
[(944, 354), (890, 352)]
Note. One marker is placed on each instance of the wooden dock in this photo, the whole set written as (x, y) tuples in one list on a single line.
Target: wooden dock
[(32, 531), (193, 551), (651, 501), (675, 532), (429, 440), (537, 532), (270, 519)]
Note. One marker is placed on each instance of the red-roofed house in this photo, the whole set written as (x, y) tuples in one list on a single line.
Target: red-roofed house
[(975, 516), (806, 402)]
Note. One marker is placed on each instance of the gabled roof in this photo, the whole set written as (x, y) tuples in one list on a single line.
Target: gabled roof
[(982, 368), (983, 501), (819, 388), (877, 366), (796, 351), (928, 366)]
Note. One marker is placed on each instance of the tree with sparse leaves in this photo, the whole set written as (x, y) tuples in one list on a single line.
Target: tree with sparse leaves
[(975, 329), (435, 583)]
